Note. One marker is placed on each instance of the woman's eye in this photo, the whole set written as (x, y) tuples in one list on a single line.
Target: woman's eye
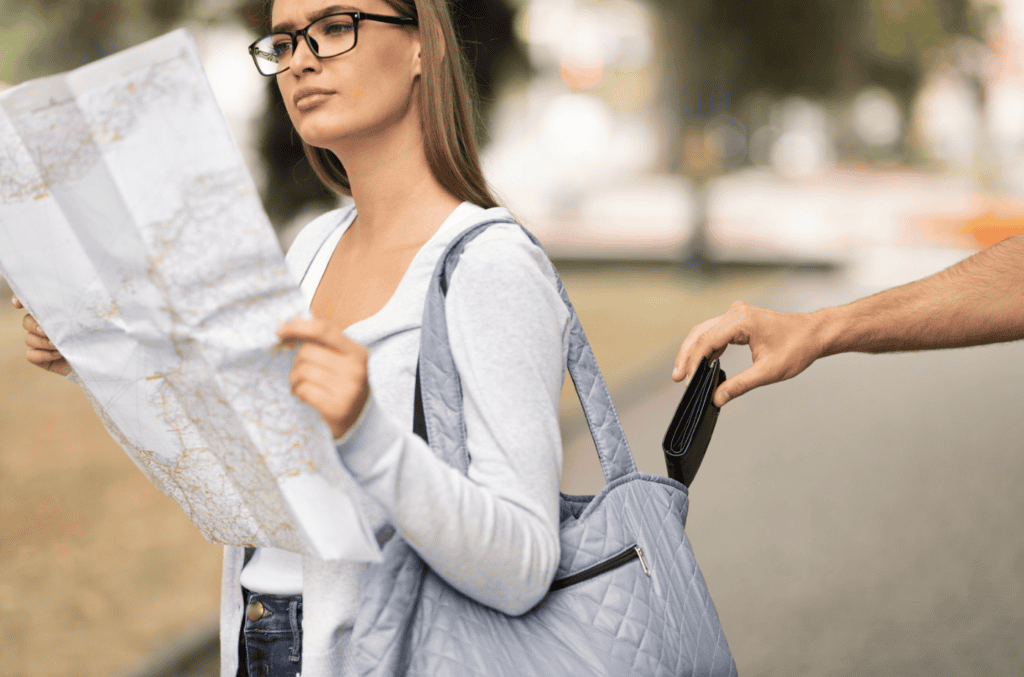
[(337, 27), (282, 47)]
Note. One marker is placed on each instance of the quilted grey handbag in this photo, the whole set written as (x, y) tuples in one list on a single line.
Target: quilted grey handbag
[(628, 597)]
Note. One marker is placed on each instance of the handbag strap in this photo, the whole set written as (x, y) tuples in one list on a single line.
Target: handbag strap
[(439, 416)]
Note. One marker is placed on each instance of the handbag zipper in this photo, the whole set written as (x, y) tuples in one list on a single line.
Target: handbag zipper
[(624, 557)]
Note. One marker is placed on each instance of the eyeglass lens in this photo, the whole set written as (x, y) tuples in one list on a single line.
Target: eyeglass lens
[(327, 37)]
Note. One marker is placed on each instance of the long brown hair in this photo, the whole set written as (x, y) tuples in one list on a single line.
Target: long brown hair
[(446, 106)]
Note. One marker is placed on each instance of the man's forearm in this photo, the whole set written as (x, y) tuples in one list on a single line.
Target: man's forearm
[(979, 300)]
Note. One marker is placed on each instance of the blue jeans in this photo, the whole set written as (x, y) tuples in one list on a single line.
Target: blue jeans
[(272, 635)]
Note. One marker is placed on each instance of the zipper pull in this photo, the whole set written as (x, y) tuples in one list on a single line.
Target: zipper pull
[(643, 562)]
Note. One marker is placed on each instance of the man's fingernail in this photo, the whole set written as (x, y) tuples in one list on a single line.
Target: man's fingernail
[(725, 398)]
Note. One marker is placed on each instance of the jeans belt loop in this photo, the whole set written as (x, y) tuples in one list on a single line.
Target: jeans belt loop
[(293, 616)]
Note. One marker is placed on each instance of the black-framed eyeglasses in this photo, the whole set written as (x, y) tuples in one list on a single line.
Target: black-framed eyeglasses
[(326, 37)]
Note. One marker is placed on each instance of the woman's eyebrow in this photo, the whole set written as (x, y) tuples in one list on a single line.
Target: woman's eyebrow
[(288, 26)]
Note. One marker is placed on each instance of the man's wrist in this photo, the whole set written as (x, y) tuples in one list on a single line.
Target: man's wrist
[(831, 330)]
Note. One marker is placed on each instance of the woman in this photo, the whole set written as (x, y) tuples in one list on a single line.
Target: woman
[(376, 91)]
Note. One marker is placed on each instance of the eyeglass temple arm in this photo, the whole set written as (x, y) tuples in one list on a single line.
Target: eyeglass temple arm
[(384, 18)]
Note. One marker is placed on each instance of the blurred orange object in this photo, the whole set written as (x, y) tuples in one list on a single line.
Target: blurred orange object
[(581, 76), (995, 222), (984, 222)]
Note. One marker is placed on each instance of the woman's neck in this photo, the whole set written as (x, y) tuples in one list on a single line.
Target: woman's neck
[(399, 200)]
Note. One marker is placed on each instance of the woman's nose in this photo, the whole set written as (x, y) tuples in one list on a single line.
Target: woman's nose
[(304, 56)]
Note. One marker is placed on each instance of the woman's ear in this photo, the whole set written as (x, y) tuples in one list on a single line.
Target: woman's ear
[(417, 66), (442, 46)]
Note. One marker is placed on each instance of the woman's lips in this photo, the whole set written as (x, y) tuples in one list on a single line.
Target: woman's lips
[(306, 99)]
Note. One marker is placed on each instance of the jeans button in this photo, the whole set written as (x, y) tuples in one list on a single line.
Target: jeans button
[(255, 611)]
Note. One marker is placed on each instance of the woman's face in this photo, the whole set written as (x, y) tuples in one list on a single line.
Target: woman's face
[(356, 95)]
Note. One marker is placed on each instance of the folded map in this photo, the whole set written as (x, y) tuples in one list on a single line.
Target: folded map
[(132, 231)]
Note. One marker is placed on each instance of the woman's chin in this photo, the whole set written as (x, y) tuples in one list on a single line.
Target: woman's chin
[(327, 129), (321, 136)]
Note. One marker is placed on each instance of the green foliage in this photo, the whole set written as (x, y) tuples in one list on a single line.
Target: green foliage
[(823, 48), (47, 36)]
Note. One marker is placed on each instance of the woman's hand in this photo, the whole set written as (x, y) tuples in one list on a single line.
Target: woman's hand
[(41, 352), (329, 372)]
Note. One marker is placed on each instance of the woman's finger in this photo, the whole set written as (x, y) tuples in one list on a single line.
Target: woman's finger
[(39, 342), (16, 303), (42, 358), (338, 409), (30, 324), (339, 361), (311, 393), (303, 329), (316, 332), (317, 371)]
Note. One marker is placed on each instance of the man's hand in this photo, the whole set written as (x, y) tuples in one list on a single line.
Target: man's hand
[(782, 345), (329, 373), (41, 352)]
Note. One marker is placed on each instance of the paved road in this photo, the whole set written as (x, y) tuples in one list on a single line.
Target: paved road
[(865, 518)]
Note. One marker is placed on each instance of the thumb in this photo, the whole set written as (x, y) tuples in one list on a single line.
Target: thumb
[(752, 377)]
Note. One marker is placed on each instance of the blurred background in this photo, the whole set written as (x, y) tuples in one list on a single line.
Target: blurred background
[(673, 156)]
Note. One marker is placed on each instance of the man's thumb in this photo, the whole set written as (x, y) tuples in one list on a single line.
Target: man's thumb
[(741, 383)]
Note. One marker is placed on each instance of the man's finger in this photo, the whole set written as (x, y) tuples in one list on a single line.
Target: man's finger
[(752, 377), (16, 302), (690, 352), (710, 343)]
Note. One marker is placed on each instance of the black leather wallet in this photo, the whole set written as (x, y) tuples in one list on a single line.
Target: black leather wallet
[(690, 431)]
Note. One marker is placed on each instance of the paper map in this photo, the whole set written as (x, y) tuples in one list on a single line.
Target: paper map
[(131, 229)]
